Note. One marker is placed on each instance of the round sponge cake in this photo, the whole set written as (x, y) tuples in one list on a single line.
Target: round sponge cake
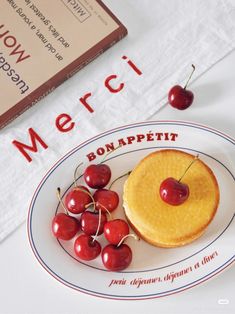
[(156, 221)]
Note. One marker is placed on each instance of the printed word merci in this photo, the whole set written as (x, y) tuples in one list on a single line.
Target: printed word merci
[(138, 138), (64, 122)]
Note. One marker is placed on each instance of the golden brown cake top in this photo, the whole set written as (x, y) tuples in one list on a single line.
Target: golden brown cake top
[(155, 220)]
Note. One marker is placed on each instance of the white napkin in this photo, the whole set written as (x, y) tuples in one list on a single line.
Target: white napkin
[(165, 38)]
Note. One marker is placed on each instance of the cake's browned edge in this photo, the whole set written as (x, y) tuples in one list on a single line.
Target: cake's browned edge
[(193, 236), (161, 245), (66, 72)]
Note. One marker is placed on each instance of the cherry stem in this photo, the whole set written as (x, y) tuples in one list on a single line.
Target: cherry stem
[(75, 175), (98, 227), (127, 236), (194, 160), (94, 203), (88, 193), (109, 153), (110, 216), (61, 202), (122, 176), (193, 66), (88, 205)]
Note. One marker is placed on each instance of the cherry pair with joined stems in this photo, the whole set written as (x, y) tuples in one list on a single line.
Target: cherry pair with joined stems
[(64, 226)]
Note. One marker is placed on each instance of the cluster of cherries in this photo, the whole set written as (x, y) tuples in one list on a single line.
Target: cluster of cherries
[(78, 201)]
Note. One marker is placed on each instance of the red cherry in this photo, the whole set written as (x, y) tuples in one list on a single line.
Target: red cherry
[(174, 192), (64, 227), (97, 176), (180, 97), (76, 200), (86, 248), (106, 200), (115, 230), (90, 221), (116, 258)]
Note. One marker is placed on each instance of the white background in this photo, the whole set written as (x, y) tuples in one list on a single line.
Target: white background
[(26, 288)]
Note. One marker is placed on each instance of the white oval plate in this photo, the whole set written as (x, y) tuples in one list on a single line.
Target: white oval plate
[(154, 272)]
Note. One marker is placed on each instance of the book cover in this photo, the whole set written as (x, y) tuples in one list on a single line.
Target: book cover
[(43, 43)]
